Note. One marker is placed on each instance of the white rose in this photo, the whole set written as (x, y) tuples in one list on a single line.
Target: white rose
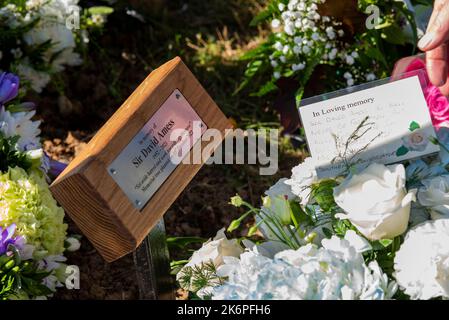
[(303, 175), (416, 141), (376, 201), (214, 250), (435, 195), (422, 263)]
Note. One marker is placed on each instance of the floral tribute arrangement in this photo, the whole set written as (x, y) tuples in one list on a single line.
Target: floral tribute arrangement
[(41, 37), (377, 232), (33, 235)]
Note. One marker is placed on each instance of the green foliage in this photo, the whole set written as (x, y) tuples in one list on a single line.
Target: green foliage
[(101, 10), (18, 276), (194, 278), (323, 193), (182, 242), (11, 156), (402, 151), (414, 126)]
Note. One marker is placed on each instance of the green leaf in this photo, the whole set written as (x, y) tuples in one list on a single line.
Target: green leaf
[(394, 34), (323, 193), (327, 232), (434, 141), (414, 126), (103, 10), (385, 242), (182, 242), (402, 151), (265, 89)]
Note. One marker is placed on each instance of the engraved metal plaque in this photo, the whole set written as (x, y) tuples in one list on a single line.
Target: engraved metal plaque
[(157, 149)]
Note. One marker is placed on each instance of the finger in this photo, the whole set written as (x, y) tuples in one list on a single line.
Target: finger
[(436, 63), (445, 88), (438, 30)]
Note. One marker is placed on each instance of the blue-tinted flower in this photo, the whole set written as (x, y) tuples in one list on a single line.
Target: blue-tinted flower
[(6, 238), (9, 87)]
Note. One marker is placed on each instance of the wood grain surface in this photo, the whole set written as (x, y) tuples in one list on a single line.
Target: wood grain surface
[(89, 194)]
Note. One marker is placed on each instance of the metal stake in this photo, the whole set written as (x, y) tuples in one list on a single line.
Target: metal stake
[(152, 266)]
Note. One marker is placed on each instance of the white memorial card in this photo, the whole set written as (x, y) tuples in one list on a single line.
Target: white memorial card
[(388, 123)]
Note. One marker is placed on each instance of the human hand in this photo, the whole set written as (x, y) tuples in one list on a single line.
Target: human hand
[(435, 44)]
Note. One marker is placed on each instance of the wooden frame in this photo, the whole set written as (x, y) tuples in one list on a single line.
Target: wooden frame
[(90, 195)]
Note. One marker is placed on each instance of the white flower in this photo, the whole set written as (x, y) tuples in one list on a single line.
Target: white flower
[(370, 77), (289, 28), (354, 54), (99, 19), (20, 123), (278, 46), (276, 74), (335, 271), (422, 263), (305, 49), (347, 75), (52, 27), (416, 140), (350, 60), (16, 53), (283, 59), (281, 188), (38, 79), (350, 82), (315, 36), (435, 195), (330, 33), (297, 49), (297, 40), (74, 244), (214, 250), (281, 6), (376, 201), (333, 54), (275, 23), (341, 33), (274, 63), (299, 66), (303, 175)]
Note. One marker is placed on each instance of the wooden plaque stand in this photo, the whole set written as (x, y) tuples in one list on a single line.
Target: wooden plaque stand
[(90, 195)]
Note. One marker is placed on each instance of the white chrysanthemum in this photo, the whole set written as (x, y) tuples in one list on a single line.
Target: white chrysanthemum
[(303, 175), (335, 271), (52, 26), (20, 123), (37, 79), (422, 263)]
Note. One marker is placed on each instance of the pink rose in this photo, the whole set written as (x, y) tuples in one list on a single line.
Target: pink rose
[(438, 106), (436, 101)]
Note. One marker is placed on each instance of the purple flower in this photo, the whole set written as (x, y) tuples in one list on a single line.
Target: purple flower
[(55, 167), (9, 87), (6, 238)]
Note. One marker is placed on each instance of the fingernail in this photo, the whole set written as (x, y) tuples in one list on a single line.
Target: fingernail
[(425, 40)]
